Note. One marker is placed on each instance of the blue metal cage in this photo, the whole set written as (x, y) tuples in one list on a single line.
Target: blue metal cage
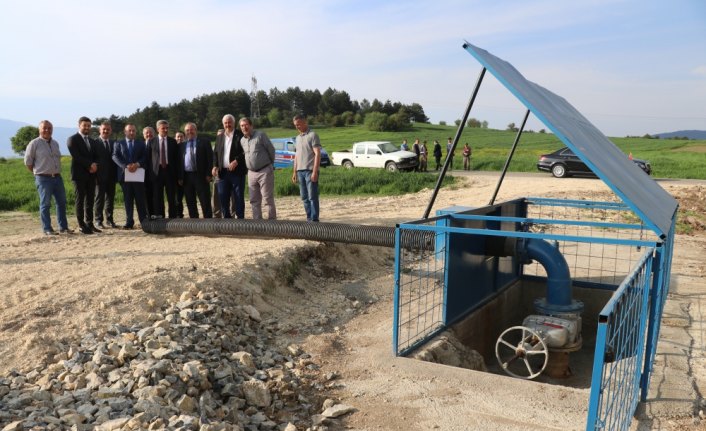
[(608, 250), (620, 251)]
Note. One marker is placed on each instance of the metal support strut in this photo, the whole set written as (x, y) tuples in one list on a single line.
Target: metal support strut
[(442, 174), (509, 157)]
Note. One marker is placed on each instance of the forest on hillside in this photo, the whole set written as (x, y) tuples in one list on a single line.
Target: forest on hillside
[(276, 109)]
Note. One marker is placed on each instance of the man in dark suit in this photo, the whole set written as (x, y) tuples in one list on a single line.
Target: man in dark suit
[(229, 166), (131, 155), (196, 164), (106, 177), (84, 165), (164, 170), (148, 133), (180, 140)]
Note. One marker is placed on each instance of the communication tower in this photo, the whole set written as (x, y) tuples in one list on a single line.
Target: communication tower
[(254, 104)]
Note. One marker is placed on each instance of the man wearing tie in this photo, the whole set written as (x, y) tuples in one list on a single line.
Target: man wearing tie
[(148, 133), (107, 176), (180, 140), (130, 155), (164, 162), (229, 166), (196, 164), (84, 165)]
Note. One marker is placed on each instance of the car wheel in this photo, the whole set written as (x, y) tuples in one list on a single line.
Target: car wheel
[(348, 164), (391, 167), (559, 170)]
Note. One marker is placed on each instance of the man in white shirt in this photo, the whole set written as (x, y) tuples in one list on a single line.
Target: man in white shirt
[(229, 167)]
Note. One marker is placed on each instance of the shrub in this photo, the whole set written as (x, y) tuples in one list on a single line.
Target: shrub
[(375, 121)]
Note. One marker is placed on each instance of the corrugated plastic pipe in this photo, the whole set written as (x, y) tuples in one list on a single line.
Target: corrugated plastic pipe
[(382, 236)]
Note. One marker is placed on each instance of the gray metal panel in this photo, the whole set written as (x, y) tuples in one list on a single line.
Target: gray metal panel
[(650, 202)]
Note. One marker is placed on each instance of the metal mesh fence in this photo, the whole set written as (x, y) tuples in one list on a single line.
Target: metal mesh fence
[(611, 226), (619, 353), (419, 302), (604, 244)]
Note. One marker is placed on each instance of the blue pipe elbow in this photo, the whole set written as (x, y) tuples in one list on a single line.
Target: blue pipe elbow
[(559, 292)]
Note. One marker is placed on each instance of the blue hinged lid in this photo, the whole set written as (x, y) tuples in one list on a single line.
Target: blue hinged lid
[(641, 193)]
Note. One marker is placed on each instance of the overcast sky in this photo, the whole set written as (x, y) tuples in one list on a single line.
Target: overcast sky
[(630, 66)]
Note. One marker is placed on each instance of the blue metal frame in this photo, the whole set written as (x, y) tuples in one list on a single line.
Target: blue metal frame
[(515, 234), (396, 295), (577, 203), (619, 352), (660, 289), (397, 300), (548, 221), (628, 326)]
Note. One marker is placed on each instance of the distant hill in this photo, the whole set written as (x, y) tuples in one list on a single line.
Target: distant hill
[(691, 134), (9, 128)]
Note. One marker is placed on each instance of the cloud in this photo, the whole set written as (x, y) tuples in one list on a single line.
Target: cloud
[(699, 70), (77, 57)]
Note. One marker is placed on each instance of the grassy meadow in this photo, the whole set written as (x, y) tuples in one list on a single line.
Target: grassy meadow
[(18, 192), (669, 159)]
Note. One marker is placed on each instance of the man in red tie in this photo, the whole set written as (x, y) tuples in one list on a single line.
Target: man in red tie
[(164, 160)]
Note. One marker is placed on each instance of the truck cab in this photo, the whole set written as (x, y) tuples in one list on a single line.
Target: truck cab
[(376, 154)]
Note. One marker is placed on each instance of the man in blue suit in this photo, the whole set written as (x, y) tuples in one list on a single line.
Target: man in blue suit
[(131, 155), (195, 174)]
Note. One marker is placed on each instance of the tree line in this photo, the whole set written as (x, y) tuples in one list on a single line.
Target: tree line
[(276, 108)]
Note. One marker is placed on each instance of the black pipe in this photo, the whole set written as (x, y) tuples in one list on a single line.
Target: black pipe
[(509, 158), (382, 236), (442, 174)]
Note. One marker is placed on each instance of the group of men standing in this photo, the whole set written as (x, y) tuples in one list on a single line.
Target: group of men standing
[(179, 168)]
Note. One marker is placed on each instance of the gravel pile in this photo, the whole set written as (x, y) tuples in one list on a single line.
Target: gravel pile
[(197, 365)]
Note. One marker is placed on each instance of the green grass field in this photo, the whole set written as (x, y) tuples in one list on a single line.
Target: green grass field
[(669, 158), (18, 192)]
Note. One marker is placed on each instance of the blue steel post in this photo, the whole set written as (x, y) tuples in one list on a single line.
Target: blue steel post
[(643, 346), (446, 275), (597, 375), (655, 313), (396, 301)]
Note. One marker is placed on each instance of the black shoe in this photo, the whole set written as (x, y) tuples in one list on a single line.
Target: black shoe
[(94, 229), (111, 224), (100, 225), (127, 227), (86, 230), (66, 231)]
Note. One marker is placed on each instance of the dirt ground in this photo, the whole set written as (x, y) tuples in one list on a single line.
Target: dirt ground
[(333, 299)]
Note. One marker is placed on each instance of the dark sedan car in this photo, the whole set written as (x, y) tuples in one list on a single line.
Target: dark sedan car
[(564, 162)]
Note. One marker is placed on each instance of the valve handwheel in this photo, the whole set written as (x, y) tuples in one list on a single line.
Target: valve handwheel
[(521, 352)]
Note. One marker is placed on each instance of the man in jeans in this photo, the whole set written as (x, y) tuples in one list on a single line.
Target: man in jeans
[(43, 159), (307, 161)]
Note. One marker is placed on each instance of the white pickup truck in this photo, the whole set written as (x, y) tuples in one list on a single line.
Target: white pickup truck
[(375, 154)]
